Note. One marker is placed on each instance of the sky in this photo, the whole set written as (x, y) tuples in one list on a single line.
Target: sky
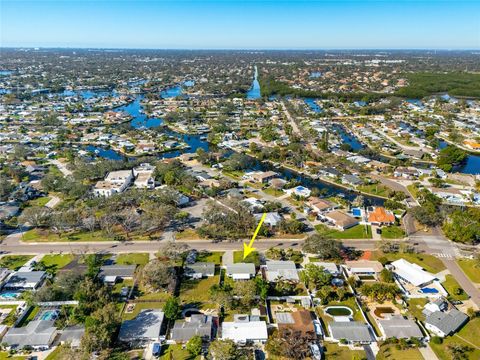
[(241, 24)]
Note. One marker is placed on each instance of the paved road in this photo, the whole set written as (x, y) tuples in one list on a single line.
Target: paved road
[(437, 245)]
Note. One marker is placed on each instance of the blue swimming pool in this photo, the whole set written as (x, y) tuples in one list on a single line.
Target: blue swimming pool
[(9, 295), (49, 315), (429, 291)]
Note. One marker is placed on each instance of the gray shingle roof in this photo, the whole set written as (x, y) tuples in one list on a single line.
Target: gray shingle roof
[(22, 279), (117, 270), (204, 268), (284, 269), (353, 331), (200, 325), (145, 326), (241, 268), (400, 328), (37, 333), (447, 322)]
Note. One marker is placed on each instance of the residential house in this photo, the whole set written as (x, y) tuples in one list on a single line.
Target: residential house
[(245, 329), (363, 268), (321, 205), (112, 273), (145, 327), (352, 180), (38, 335), (263, 176), (380, 216), (328, 267), (25, 280), (400, 328), (299, 191), (199, 270), (198, 325), (445, 323), (353, 332), (115, 182), (278, 269), (411, 273), (272, 219), (241, 271), (340, 220)]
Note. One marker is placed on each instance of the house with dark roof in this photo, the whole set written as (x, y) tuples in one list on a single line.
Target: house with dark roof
[(198, 325), (38, 334), (353, 332), (145, 327), (199, 270), (445, 323), (111, 273)]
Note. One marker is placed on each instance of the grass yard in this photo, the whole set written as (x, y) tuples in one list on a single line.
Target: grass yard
[(390, 352), (32, 312), (4, 355), (176, 353), (471, 332), (14, 262), (336, 352), (133, 259), (36, 235), (375, 189), (142, 306), (441, 350), (429, 262), (253, 257), (393, 232), (197, 291), (356, 232), (273, 192), (415, 307), (11, 318), (451, 285), (207, 256), (41, 201), (469, 268), (57, 261), (187, 234)]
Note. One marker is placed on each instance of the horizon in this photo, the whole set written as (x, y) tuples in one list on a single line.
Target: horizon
[(242, 25)]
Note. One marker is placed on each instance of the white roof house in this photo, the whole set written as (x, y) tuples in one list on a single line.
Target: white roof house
[(285, 270), (25, 280), (243, 330), (271, 219), (411, 273), (328, 267), (241, 271)]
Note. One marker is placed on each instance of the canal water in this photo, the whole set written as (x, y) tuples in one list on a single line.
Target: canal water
[(254, 92), (471, 164), (313, 105)]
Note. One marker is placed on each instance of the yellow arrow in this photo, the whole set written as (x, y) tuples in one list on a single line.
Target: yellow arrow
[(247, 249)]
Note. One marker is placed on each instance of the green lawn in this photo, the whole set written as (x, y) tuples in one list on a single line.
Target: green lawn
[(375, 189), (177, 353), (142, 306), (336, 352), (32, 312), (415, 307), (197, 291), (253, 257), (36, 235), (11, 318), (471, 332), (356, 232), (429, 262), (273, 192), (450, 284), (441, 350), (133, 259), (469, 268), (390, 352), (14, 262), (393, 232), (4, 355), (41, 201), (57, 261), (207, 256)]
